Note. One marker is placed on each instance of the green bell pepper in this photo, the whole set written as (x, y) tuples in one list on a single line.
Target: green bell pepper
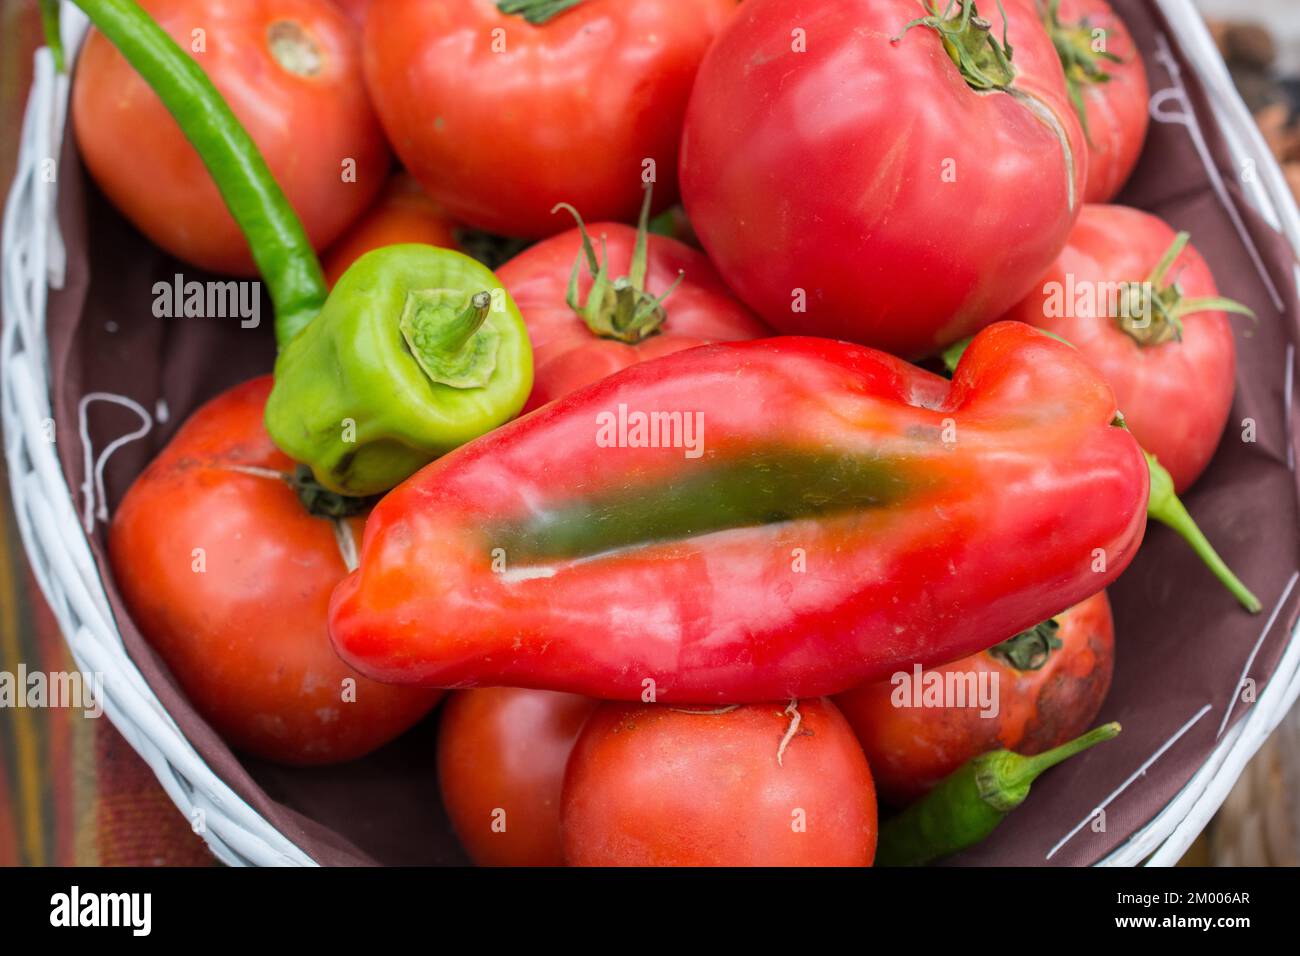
[(416, 351)]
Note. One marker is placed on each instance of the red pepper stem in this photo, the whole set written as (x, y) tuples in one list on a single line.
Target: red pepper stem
[(279, 244), (1165, 507)]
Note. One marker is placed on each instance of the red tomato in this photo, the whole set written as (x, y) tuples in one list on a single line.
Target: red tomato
[(568, 353), (291, 72), (652, 785), (911, 748), (1106, 75), (501, 119), (356, 9), (228, 577), (403, 213), (1175, 393), (856, 188), (501, 758)]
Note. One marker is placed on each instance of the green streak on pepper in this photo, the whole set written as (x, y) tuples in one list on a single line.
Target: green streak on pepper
[(355, 402), (766, 486)]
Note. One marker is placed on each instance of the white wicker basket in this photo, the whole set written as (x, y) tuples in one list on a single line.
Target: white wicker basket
[(33, 261)]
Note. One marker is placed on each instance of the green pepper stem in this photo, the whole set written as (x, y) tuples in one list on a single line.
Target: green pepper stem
[(1164, 506), (456, 334), (449, 341), (971, 802), (279, 244), (536, 11), (1023, 771)]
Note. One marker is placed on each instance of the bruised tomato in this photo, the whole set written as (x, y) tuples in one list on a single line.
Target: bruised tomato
[(228, 577), (850, 179), (1050, 683), (501, 116), (291, 72), (1141, 304), (573, 347), (403, 213), (1108, 83), (748, 785), (501, 758)]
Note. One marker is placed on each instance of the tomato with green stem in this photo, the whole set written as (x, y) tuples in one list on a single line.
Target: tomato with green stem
[(1049, 681), (1107, 81), (643, 296), (859, 173), (1141, 304), (502, 752), (780, 784), (226, 556), (290, 70), (503, 109)]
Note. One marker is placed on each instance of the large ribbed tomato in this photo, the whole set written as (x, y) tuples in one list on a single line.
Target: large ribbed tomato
[(501, 117), (291, 72), (850, 179)]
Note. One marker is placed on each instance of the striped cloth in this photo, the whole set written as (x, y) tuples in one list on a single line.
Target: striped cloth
[(72, 791)]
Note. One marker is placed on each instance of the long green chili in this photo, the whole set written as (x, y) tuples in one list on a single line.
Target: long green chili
[(279, 244), (969, 803)]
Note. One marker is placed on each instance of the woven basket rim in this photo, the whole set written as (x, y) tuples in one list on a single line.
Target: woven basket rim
[(59, 553)]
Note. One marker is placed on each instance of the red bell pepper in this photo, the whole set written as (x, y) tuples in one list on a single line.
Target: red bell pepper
[(824, 515)]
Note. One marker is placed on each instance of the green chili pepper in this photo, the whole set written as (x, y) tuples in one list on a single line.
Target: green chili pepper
[(283, 253), (416, 351), (969, 803)]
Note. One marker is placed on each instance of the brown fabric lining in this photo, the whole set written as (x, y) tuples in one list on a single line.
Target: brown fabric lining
[(1181, 640)]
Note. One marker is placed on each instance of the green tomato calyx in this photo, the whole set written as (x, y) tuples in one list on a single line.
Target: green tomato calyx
[(449, 337), (1030, 649), (619, 308), (1083, 53), (1151, 312), (985, 64), (536, 12)]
